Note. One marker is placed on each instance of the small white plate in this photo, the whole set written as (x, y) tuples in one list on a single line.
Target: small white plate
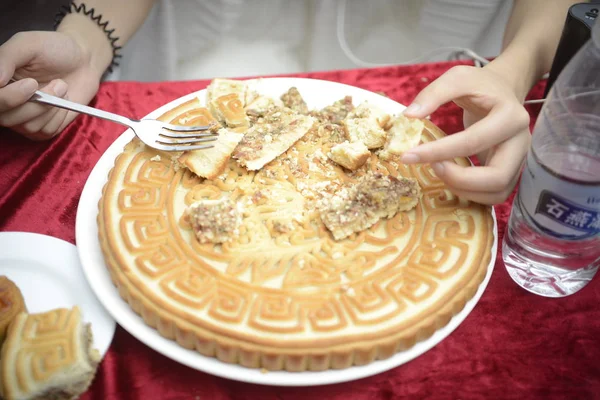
[(317, 94), (49, 275)]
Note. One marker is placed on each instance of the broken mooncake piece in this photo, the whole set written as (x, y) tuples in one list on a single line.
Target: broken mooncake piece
[(48, 355), (371, 112), (226, 100), (336, 112), (293, 100), (209, 163), (376, 196), (222, 87), (229, 110), (270, 137), (366, 124), (403, 134), (260, 106), (350, 155), (214, 221)]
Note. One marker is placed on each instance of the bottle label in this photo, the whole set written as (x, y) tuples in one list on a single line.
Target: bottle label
[(559, 207)]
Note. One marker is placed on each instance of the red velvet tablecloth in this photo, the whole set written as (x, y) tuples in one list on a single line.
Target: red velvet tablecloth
[(514, 345)]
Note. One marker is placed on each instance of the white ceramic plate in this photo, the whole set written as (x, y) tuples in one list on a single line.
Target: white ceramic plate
[(317, 94), (49, 275)]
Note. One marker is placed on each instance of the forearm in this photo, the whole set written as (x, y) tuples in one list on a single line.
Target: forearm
[(125, 17), (530, 41)]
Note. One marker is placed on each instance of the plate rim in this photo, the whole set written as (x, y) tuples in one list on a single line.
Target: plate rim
[(63, 246), (134, 324)]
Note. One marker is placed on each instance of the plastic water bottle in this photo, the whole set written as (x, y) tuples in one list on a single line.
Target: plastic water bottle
[(552, 243)]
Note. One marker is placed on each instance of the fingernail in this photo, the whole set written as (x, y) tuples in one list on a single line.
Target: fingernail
[(28, 86), (438, 168), (410, 158), (413, 108), (60, 88)]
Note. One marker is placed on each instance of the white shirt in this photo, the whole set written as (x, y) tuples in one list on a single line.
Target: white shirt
[(203, 39)]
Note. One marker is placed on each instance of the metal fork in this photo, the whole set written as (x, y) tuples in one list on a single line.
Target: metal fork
[(150, 131)]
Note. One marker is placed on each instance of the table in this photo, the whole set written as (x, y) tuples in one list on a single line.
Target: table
[(513, 345)]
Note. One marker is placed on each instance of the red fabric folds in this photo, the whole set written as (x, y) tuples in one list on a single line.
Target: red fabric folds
[(513, 345)]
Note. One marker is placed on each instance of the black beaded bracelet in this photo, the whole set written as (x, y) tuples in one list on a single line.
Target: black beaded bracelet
[(91, 13)]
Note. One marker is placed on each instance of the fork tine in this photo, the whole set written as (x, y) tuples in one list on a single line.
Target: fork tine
[(180, 128), (182, 148), (188, 141), (184, 135)]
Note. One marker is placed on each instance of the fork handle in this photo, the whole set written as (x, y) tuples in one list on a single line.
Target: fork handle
[(45, 98)]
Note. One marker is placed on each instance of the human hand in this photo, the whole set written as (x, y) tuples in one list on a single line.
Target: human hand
[(53, 62), (496, 130)]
